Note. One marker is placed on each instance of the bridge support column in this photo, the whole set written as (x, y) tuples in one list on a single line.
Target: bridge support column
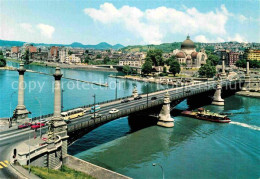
[(21, 113), (165, 119), (217, 100), (246, 85), (57, 126), (135, 92), (223, 73)]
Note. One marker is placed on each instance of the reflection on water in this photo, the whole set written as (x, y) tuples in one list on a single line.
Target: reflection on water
[(75, 94), (192, 149)]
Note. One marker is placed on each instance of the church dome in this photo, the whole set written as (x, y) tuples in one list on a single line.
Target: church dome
[(187, 44), (194, 54), (180, 55)]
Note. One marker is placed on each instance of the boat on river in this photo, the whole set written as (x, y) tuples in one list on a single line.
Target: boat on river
[(206, 115)]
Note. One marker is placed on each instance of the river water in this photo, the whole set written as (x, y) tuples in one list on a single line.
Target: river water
[(191, 149)]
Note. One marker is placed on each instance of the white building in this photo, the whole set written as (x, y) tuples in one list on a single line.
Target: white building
[(187, 54), (72, 59)]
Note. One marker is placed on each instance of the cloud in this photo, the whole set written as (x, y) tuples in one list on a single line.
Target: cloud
[(237, 38), (152, 25), (204, 39), (27, 27), (46, 30), (242, 18)]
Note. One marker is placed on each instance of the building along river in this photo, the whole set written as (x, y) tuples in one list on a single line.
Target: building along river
[(191, 149)]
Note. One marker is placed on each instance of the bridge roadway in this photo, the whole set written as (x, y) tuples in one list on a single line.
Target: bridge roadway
[(9, 139)]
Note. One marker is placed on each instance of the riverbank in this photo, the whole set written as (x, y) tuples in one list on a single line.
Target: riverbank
[(69, 66), (249, 94), (64, 172), (7, 68)]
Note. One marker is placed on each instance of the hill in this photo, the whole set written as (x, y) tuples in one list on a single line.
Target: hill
[(165, 47), (102, 45)]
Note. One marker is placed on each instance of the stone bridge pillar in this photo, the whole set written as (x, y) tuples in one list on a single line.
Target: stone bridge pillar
[(57, 126), (165, 119), (223, 73), (21, 113), (217, 100), (135, 92), (247, 78)]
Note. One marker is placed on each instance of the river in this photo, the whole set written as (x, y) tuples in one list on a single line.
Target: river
[(191, 149)]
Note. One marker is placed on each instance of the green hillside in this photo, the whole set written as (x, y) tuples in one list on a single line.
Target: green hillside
[(165, 47)]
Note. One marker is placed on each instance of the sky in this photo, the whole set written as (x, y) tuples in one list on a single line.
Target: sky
[(129, 22)]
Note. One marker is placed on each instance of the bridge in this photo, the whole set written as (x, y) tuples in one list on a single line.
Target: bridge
[(59, 134)]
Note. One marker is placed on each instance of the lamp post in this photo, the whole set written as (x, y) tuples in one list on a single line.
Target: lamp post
[(40, 115), (62, 100), (154, 164), (147, 94), (29, 151), (94, 96), (116, 87), (10, 119)]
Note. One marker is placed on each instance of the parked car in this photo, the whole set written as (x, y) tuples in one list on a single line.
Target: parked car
[(25, 125), (96, 116), (154, 98), (43, 120), (112, 111), (37, 125), (125, 101), (138, 97)]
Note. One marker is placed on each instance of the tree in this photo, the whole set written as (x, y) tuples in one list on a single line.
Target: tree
[(106, 60), (207, 70), (164, 70), (2, 60), (127, 69), (172, 58), (213, 59), (87, 59), (155, 56), (147, 66), (175, 67), (241, 63), (98, 56), (69, 52), (26, 56)]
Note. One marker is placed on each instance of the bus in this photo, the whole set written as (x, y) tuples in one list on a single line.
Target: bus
[(95, 108), (71, 114)]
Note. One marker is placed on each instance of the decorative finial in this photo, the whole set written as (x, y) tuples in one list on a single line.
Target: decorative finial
[(188, 37)]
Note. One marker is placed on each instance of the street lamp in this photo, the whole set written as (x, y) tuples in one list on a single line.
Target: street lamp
[(29, 150), (10, 120), (40, 115), (147, 94), (116, 86), (154, 164), (62, 107), (94, 96)]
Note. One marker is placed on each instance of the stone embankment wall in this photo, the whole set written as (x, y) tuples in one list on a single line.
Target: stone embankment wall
[(91, 169)]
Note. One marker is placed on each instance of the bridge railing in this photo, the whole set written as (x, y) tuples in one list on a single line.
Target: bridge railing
[(211, 85)]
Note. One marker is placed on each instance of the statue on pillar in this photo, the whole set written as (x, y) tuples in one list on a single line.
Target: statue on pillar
[(165, 119), (135, 92), (217, 100), (21, 113)]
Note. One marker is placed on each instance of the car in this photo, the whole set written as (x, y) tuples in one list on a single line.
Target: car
[(37, 125), (154, 98), (112, 111), (125, 101), (43, 120), (138, 97), (25, 125), (96, 116)]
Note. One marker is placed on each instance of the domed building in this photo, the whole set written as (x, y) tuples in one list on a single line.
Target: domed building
[(187, 54)]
